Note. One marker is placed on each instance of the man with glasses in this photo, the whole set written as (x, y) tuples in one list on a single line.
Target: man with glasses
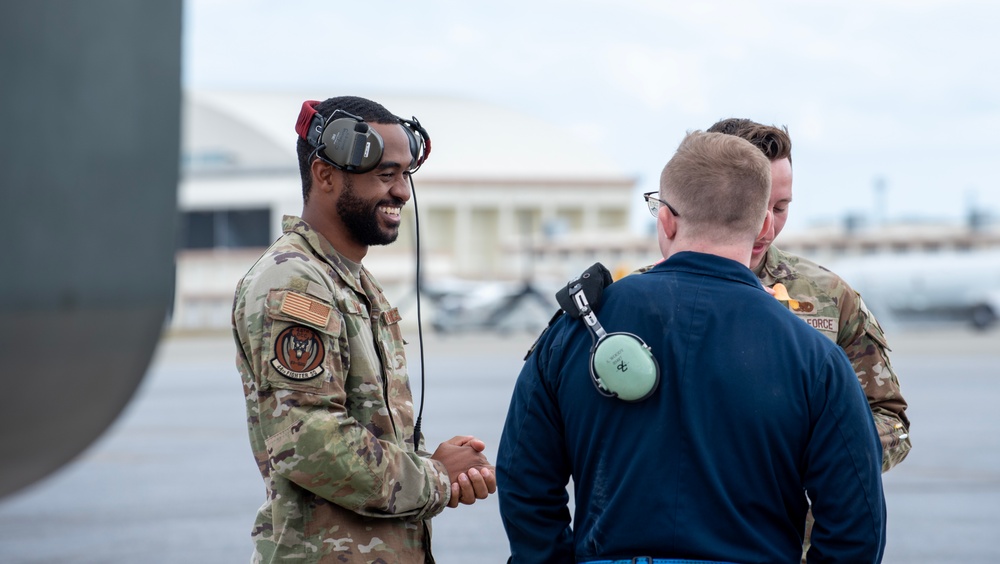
[(654, 203), (754, 414), (822, 299), (329, 408)]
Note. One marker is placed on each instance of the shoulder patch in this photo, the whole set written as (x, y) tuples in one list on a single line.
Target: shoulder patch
[(306, 309), (298, 353)]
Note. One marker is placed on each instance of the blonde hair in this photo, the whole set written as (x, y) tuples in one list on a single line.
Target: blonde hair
[(720, 185)]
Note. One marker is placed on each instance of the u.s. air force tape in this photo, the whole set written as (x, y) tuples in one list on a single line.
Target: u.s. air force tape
[(298, 353)]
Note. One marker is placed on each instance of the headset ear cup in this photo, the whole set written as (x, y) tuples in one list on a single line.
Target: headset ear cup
[(351, 145), (623, 366), (420, 142), (415, 145)]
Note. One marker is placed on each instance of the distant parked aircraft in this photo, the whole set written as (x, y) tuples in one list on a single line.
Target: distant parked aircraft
[(962, 285), (503, 307)]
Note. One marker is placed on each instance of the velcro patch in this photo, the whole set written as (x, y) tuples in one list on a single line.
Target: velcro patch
[(304, 308), (802, 306), (391, 316), (298, 353)]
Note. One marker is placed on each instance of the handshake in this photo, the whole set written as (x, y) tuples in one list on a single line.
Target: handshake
[(471, 474)]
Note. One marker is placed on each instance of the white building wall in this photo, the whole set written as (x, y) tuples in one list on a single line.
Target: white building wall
[(472, 209)]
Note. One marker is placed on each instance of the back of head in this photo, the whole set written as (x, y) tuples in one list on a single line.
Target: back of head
[(369, 111), (773, 141), (720, 184)]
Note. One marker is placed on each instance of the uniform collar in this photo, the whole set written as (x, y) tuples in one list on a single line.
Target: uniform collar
[(774, 267), (323, 249), (708, 265)]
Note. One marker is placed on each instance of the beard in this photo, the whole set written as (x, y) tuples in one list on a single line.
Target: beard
[(360, 217)]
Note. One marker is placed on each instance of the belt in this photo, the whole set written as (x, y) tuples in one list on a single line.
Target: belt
[(648, 560)]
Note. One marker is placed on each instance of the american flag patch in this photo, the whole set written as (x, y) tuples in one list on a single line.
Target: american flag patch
[(305, 309)]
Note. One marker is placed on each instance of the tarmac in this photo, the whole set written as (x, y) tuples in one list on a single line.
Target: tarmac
[(173, 480)]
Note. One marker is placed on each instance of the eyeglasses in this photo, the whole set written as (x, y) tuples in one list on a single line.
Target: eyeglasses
[(654, 204)]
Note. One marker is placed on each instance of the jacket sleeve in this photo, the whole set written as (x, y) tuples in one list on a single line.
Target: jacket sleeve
[(864, 342), (312, 435), (533, 470), (843, 469)]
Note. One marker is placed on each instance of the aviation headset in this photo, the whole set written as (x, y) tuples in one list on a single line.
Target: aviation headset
[(346, 142), (621, 364)]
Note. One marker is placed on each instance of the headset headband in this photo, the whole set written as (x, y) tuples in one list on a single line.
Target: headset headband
[(310, 126)]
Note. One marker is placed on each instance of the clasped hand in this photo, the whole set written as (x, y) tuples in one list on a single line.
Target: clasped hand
[(471, 474)]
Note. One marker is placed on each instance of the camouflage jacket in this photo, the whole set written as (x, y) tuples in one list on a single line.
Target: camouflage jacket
[(825, 301), (329, 411)]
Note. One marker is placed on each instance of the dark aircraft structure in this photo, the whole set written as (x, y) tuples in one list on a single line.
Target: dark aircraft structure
[(89, 138)]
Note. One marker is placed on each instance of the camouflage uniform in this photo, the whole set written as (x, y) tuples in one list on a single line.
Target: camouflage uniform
[(825, 301), (329, 411)]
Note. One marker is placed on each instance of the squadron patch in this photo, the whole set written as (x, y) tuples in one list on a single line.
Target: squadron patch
[(298, 353)]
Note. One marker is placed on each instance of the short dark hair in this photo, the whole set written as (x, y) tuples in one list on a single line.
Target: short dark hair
[(371, 112), (773, 141)]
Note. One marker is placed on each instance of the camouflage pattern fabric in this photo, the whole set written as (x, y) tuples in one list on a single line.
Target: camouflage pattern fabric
[(825, 301), (330, 412)]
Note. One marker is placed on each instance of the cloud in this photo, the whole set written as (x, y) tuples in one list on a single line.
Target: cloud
[(659, 78), (866, 87)]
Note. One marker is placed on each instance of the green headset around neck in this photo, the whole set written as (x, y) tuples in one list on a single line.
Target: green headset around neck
[(621, 364)]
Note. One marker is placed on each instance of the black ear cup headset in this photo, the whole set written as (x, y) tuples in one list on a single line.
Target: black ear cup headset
[(346, 142), (621, 364)]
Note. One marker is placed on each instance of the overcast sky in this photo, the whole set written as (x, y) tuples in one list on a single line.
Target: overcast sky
[(903, 91)]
